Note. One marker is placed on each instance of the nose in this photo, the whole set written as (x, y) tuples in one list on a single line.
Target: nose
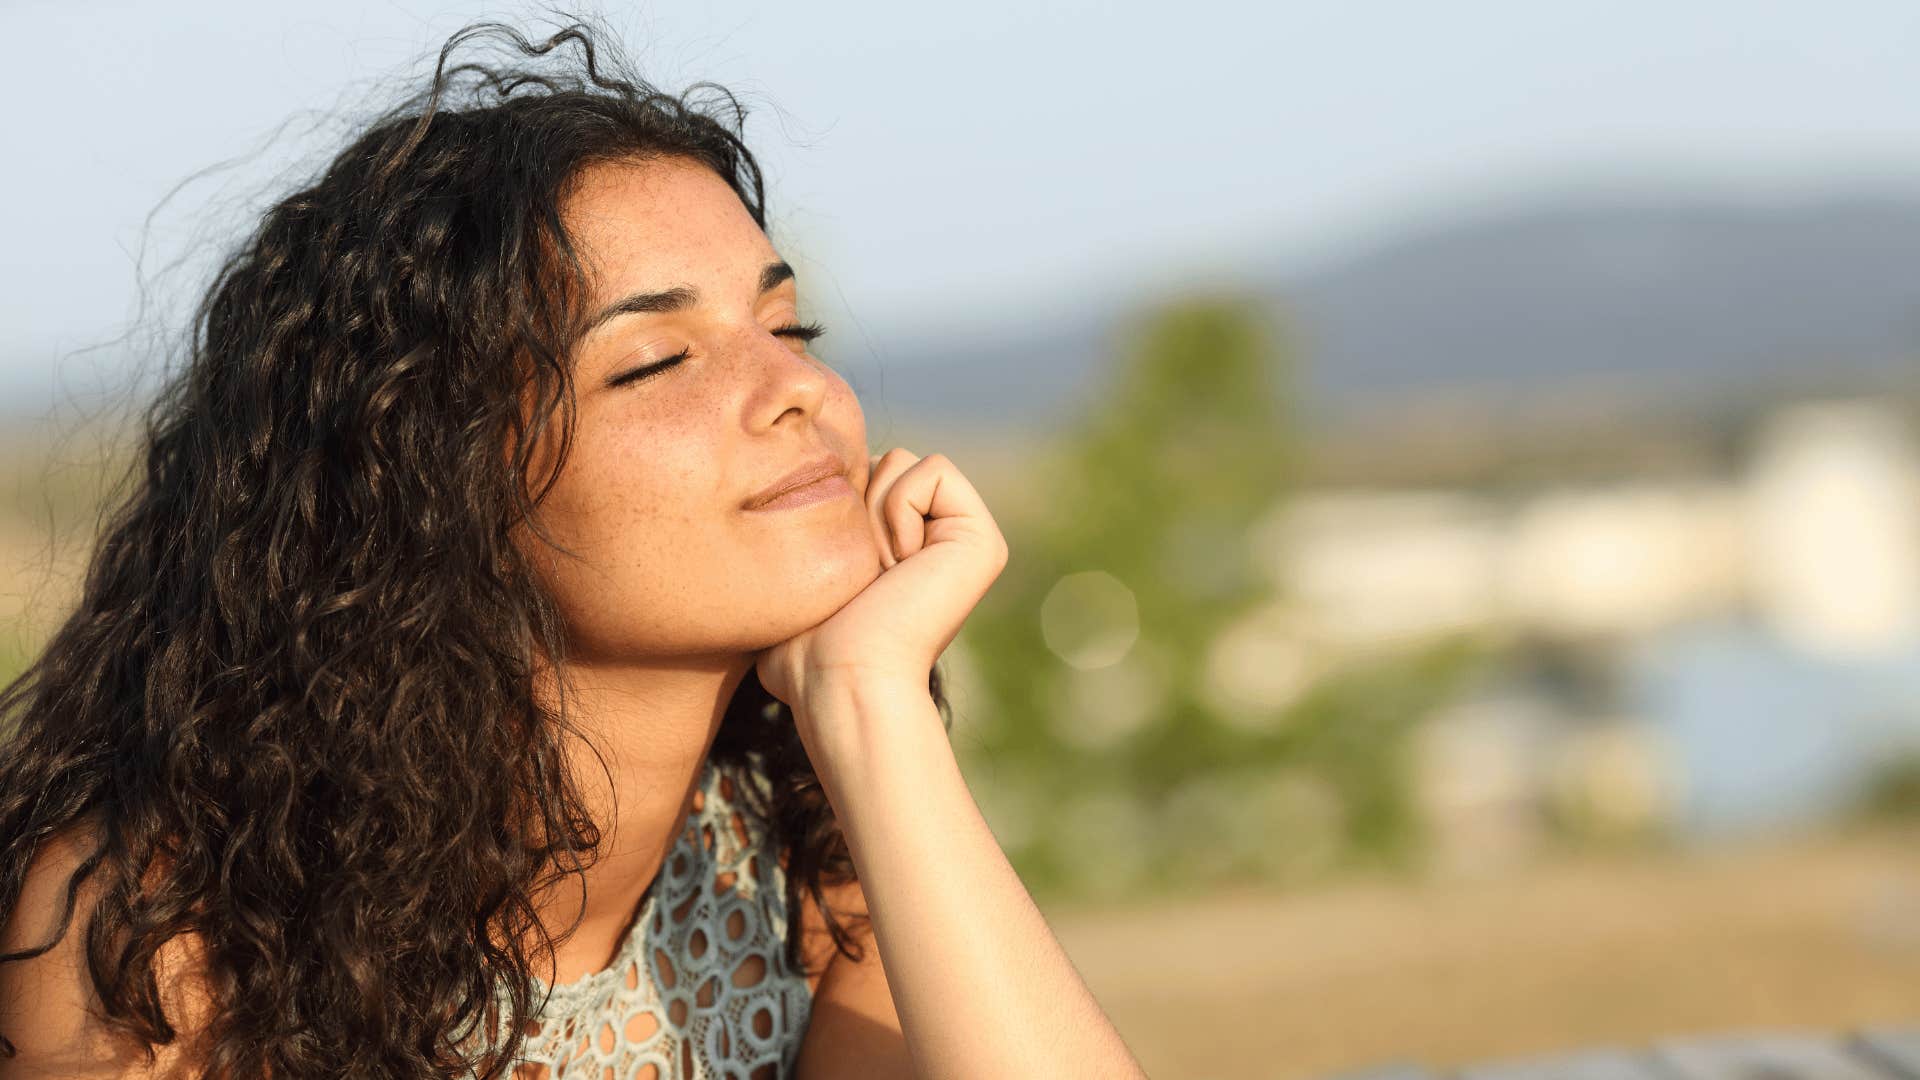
[(789, 380)]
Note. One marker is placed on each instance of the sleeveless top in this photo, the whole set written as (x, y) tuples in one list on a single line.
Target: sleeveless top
[(699, 988)]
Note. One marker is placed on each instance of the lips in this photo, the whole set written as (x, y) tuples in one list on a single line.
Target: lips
[(818, 469)]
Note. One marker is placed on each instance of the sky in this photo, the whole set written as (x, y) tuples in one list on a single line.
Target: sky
[(947, 170)]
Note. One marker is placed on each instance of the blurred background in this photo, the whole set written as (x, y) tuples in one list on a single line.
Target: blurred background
[(1461, 462)]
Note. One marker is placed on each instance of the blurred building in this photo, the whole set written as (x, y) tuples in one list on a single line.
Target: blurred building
[(1757, 634)]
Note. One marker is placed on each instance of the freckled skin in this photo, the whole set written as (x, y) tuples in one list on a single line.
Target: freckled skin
[(671, 566)]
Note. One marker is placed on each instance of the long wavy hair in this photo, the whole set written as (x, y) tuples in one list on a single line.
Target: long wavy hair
[(295, 704)]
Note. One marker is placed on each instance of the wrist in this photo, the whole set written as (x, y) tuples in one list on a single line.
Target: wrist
[(847, 722), (842, 691)]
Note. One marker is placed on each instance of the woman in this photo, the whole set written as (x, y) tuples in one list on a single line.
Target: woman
[(511, 658)]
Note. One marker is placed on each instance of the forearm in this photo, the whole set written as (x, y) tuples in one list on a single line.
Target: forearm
[(981, 985)]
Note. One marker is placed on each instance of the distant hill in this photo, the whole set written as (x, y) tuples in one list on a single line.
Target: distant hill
[(1644, 298)]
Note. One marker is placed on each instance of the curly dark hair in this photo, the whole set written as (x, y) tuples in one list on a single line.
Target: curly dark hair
[(295, 702)]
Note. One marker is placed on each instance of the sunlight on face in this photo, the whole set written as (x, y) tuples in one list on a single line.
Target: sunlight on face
[(652, 495)]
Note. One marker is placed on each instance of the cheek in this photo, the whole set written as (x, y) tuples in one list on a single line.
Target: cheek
[(632, 505), (657, 570), (842, 410), (668, 562)]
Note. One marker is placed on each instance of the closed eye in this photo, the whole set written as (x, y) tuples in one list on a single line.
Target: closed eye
[(648, 371), (802, 331)]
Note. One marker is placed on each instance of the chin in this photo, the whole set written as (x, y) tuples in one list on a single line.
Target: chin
[(823, 585), (841, 580)]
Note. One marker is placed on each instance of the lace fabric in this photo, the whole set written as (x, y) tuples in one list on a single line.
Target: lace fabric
[(699, 988)]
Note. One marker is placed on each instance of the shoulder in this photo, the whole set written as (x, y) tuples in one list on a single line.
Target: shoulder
[(848, 902), (854, 1025), (49, 1009)]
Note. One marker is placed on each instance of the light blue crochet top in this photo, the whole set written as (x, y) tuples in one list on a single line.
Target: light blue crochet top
[(700, 988)]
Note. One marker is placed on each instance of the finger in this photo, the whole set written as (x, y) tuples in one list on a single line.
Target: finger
[(876, 484), (901, 509), (888, 469), (939, 499), (885, 468)]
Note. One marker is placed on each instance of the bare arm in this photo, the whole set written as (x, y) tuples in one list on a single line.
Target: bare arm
[(981, 986), (48, 1007), (854, 1027)]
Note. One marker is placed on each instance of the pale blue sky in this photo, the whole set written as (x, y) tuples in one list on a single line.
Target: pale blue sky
[(942, 168)]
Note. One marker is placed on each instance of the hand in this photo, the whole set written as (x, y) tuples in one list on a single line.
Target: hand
[(939, 552)]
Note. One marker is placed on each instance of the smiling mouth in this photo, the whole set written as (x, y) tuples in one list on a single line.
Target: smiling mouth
[(826, 465), (825, 489)]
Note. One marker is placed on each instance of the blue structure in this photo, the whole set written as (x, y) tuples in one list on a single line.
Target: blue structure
[(1763, 735)]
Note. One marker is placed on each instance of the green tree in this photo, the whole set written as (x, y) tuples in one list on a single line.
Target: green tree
[(1115, 595)]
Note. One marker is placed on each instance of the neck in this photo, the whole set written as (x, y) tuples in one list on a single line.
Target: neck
[(651, 724)]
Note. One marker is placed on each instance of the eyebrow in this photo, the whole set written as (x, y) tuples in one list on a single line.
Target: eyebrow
[(678, 298)]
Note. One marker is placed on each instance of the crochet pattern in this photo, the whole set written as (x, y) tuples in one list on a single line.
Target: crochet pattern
[(700, 989)]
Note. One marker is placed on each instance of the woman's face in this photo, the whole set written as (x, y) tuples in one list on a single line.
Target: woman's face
[(651, 497)]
